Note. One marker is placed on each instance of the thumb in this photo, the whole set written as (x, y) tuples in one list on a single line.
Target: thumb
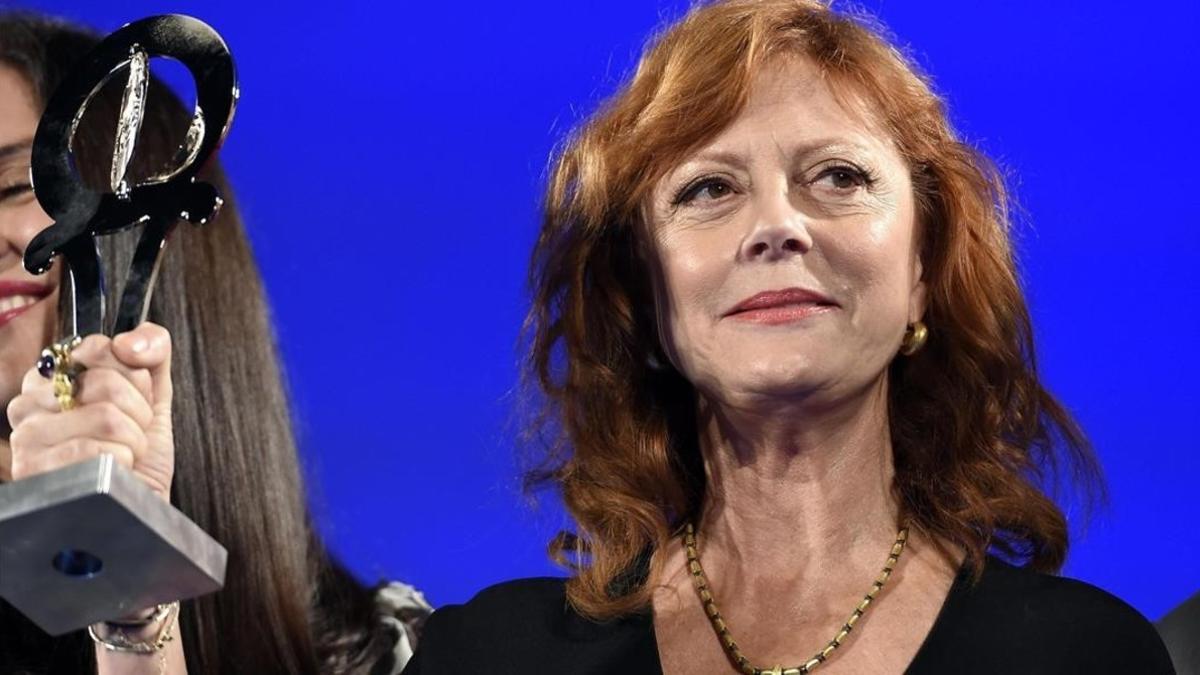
[(148, 346)]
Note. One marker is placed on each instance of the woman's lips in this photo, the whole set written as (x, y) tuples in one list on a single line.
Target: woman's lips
[(781, 313), (18, 297), (782, 306)]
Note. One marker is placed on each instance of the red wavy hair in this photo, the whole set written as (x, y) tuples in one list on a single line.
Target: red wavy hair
[(975, 434)]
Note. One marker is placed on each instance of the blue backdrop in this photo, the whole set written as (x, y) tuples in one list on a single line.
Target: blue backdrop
[(425, 128)]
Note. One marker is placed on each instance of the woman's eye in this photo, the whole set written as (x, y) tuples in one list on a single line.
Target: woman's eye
[(711, 189), (13, 191), (14, 181), (844, 179)]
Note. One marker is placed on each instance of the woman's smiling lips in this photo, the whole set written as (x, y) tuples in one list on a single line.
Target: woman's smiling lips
[(778, 307), (16, 297)]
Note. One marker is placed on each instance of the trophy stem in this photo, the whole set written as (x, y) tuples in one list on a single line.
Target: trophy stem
[(143, 272), (86, 275)]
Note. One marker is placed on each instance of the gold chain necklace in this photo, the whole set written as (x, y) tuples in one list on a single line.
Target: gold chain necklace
[(731, 646)]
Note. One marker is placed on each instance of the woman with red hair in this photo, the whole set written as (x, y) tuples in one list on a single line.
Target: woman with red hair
[(789, 374)]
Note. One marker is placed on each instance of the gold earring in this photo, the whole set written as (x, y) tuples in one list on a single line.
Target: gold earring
[(914, 338)]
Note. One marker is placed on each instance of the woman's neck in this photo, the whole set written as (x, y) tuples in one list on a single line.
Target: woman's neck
[(798, 485)]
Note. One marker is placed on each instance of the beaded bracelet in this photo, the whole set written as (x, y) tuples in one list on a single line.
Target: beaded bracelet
[(119, 640)]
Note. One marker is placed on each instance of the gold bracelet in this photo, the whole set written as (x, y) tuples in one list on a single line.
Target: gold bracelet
[(118, 640)]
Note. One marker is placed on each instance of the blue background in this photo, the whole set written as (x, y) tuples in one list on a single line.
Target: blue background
[(426, 128)]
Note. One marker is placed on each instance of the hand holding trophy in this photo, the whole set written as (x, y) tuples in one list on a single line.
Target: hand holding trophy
[(96, 540), (118, 402)]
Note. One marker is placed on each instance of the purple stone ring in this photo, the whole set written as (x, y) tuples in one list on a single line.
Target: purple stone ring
[(57, 358), (56, 365), (45, 364)]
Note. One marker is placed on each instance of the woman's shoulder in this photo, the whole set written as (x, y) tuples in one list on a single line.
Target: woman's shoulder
[(505, 610), (533, 595), (512, 612), (527, 625), (1050, 623), (1059, 599)]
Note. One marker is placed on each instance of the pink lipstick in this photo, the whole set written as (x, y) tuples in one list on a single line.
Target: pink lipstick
[(784, 306), (18, 297)]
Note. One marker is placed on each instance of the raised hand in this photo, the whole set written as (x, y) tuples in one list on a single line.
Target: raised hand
[(122, 408)]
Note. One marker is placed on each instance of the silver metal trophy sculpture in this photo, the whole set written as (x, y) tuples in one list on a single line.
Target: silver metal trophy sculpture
[(90, 542)]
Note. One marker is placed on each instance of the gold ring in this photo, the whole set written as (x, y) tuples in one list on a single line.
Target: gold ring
[(57, 365)]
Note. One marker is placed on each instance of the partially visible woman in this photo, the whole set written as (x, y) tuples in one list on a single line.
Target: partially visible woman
[(201, 413), (778, 327), (1180, 629)]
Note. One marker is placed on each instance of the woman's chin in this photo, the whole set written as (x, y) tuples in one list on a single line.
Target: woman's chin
[(748, 392), (766, 386)]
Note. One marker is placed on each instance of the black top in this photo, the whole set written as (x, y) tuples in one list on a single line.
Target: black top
[(1014, 621)]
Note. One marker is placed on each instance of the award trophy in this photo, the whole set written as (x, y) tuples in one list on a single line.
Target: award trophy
[(90, 542)]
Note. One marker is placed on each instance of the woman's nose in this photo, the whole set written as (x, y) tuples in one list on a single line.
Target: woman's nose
[(780, 229)]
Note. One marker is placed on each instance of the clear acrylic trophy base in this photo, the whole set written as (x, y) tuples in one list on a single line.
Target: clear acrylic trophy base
[(91, 542)]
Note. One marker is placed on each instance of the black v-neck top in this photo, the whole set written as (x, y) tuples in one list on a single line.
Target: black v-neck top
[(1014, 621)]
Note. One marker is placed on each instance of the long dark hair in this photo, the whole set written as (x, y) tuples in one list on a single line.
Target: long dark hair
[(287, 606)]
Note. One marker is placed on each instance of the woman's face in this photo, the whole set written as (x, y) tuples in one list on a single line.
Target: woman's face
[(804, 210), (27, 302)]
